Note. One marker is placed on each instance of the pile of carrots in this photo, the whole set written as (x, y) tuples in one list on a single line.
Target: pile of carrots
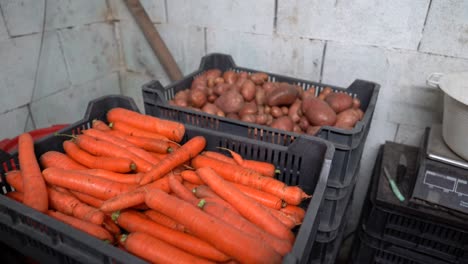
[(131, 184)]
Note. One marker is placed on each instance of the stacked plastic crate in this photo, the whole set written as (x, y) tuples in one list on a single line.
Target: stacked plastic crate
[(349, 144), (406, 232)]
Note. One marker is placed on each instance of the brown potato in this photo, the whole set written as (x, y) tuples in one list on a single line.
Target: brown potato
[(221, 88), (304, 123), (322, 97), (210, 108), (261, 119), (250, 118), (269, 87), (295, 111), (283, 123), (233, 116), (182, 95), (285, 94), (327, 90), (267, 109), (276, 111), (181, 102), (243, 74), (356, 103), (249, 108), (339, 101), (299, 90), (308, 93), (360, 113), (199, 83), (318, 112), (347, 119), (197, 98), (297, 129), (240, 81), (313, 130), (230, 77), (260, 96), (285, 110), (248, 90), (212, 74), (211, 83), (230, 101), (212, 98), (260, 109), (269, 120), (259, 77), (219, 80)]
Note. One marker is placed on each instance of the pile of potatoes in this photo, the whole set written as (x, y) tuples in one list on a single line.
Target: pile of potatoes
[(252, 98)]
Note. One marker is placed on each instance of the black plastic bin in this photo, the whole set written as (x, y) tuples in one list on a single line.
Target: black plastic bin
[(305, 163), (430, 232), (348, 143)]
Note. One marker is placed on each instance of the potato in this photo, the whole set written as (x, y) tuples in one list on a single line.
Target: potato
[(230, 77), (212, 74), (230, 101), (360, 113), (219, 80), (356, 103), (267, 109), (318, 112), (260, 109), (269, 87), (322, 97), (297, 129), (308, 93), (210, 108), (339, 101), (249, 108), (347, 119), (260, 96), (313, 130), (181, 102), (283, 123), (285, 110), (295, 111), (233, 116), (285, 94), (197, 98), (221, 88), (261, 119), (299, 90), (269, 120), (276, 111), (199, 83), (304, 123), (211, 83), (249, 118), (240, 81), (212, 98), (182, 95), (259, 77), (220, 113), (243, 74), (248, 90), (324, 93)]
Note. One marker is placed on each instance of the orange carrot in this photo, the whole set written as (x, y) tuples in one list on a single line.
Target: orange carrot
[(126, 129), (227, 239), (158, 155), (235, 156), (237, 221), (282, 217), (180, 191), (17, 196), (115, 164), (110, 226), (246, 206), (98, 187), (87, 199), (133, 221), (262, 197), (190, 186), (205, 192), (219, 156), (191, 176), (114, 176), (172, 130), (100, 125), (104, 148), (70, 205), (157, 251), (135, 197), (233, 173), (149, 144), (294, 211), (15, 180), (264, 168), (178, 157), (34, 187), (164, 220), (59, 160), (90, 228)]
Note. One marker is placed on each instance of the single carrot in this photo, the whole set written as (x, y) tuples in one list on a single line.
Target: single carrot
[(15, 180), (126, 129), (233, 173), (100, 125), (205, 192), (98, 187), (227, 239), (135, 197), (191, 176), (34, 187), (133, 221), (264, 168), (178, 157), (179, 190), (190, 186), (235, 156), (110, 226), (157, 251), (114, 176), (150, 144), (262, 197), (70, 205), (172, 130), (158, 155), (90, 228), (282, 217), (164, 220), (104, 148), (115, 164), (295, 211), (246, 206), (59, 160), (87, 199), (219, 156), (237, 221), (17, 196)]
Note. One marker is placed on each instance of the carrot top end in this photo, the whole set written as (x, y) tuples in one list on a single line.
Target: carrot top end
[(202, 203), (115, 216)]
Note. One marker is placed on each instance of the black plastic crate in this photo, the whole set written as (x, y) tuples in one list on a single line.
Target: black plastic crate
[(305, 163), (427, 231), (348, 143), (367, 250)]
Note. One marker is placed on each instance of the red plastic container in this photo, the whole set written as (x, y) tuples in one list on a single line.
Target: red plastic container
[(10, 145)]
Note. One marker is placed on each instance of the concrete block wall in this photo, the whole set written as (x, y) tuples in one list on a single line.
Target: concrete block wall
[(394, 43), (52, 83)]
